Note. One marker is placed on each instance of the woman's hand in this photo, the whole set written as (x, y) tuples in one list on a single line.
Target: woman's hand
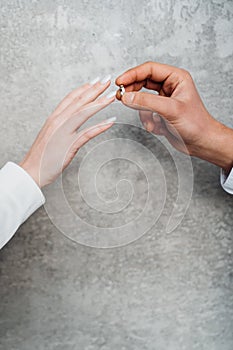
[(177, 112), (58, 141)]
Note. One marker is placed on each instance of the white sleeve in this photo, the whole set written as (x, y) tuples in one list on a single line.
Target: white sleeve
[(19, 198), (227, 181)]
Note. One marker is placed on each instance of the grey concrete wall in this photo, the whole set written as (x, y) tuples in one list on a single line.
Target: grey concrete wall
[(163, 291)]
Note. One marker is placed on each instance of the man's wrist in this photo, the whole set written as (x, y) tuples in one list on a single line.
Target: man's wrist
[(218, 146)]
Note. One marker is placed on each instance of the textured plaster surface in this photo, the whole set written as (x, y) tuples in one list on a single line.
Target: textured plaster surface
[(164, 291)]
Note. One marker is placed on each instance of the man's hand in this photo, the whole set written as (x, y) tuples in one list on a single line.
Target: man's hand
[(177, 112), (58, 141)]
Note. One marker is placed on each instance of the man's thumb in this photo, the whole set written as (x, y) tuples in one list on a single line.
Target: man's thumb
[(143, 100)]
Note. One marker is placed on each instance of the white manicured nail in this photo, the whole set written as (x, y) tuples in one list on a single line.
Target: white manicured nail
[(110, 120), (106, 79), (94, 81), (111, 94)]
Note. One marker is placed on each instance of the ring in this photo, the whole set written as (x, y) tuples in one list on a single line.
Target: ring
[(120, 92)]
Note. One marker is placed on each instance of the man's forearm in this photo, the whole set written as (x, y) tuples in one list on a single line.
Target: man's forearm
[(218, 147)]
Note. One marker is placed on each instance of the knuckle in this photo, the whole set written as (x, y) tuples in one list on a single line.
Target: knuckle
[(55, 122), (139, 99), (142, 99), (149, 63), (186, 74), (78, 99)]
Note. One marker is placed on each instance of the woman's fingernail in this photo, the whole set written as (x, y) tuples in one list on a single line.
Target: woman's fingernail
[(128, 97), (110, 120), (111, 94), (106, 79), (94, 81)]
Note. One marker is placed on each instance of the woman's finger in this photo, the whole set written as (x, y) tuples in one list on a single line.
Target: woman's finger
[(73, 95), (89, 133), (89, 96), (88, 111)]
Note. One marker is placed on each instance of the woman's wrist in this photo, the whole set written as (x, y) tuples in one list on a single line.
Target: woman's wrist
[(31, 171)]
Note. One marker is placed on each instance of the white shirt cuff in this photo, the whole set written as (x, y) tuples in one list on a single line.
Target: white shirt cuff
[(19, 198), (227, 181)]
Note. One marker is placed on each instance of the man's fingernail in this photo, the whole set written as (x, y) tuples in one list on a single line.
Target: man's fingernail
[(106, 79), (128, 97), (119, 77), (94, 81)]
